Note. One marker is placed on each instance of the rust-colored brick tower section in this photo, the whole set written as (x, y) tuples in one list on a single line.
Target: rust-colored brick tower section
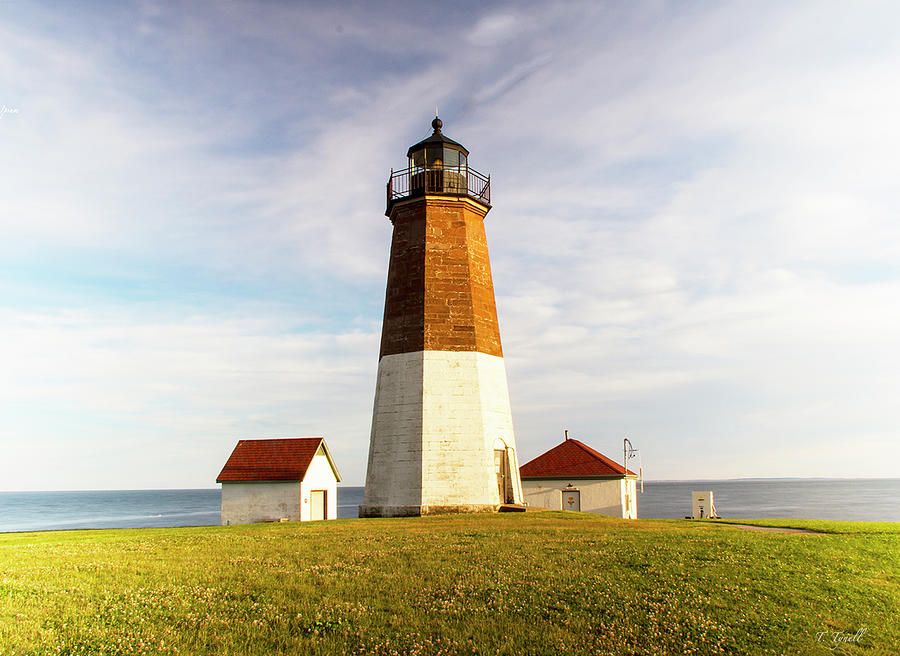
[(440, 296), (442, 437)]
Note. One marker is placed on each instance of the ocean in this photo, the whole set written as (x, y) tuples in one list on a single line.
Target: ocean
[(836, 499)]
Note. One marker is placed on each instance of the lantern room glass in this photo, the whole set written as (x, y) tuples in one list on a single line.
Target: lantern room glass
[(435, 157), (439, 168), (417, 161)]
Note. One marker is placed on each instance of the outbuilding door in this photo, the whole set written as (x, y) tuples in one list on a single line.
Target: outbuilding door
[(571, 500), (318, 504)]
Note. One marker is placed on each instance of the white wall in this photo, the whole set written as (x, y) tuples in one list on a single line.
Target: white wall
[(394, 472), (465, 411), (248, 502), (437, 417), (629, 498), (615, 497), (319, 476)]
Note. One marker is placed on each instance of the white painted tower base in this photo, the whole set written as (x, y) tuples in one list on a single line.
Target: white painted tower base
[(440, 420)]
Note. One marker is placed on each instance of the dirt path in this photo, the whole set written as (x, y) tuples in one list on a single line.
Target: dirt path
[(771, 529)]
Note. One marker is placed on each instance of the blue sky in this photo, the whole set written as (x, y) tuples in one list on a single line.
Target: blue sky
[(695, 238)]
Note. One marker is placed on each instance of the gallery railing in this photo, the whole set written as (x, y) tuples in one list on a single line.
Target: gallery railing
[(457, 181)]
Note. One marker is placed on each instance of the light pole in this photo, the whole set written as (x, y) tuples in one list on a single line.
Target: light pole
[(628, 451)]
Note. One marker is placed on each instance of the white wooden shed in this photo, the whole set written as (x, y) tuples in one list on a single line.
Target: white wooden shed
[(573, 476), (269, 480)]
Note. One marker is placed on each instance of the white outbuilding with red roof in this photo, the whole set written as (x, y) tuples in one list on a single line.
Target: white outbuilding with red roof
[(292, 479), (573, 476)]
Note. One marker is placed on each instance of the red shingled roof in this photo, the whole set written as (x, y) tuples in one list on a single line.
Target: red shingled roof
[(284, 459), (571, 458)]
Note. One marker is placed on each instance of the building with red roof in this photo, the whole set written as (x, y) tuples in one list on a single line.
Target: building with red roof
[(573, 476), (268, 480)]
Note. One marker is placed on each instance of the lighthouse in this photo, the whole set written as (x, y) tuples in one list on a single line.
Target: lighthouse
[(442, 433)]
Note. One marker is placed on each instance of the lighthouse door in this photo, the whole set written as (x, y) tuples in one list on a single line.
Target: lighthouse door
[(501, 466)]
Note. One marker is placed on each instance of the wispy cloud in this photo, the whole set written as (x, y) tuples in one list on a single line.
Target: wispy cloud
[(693, 239)]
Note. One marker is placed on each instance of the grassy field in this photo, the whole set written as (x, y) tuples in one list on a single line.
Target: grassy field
[(534, 583)]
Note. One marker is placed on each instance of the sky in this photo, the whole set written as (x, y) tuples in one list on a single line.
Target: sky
[(694, 235)]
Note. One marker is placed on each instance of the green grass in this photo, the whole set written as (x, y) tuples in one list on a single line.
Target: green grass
[(533, 583)]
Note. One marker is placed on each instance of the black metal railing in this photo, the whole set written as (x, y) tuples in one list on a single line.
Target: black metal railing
[(457, 181)]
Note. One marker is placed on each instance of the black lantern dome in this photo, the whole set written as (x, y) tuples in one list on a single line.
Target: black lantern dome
[(438, 165), (437, 149)]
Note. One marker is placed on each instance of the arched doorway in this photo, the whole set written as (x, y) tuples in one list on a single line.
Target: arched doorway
[(505, 481)]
